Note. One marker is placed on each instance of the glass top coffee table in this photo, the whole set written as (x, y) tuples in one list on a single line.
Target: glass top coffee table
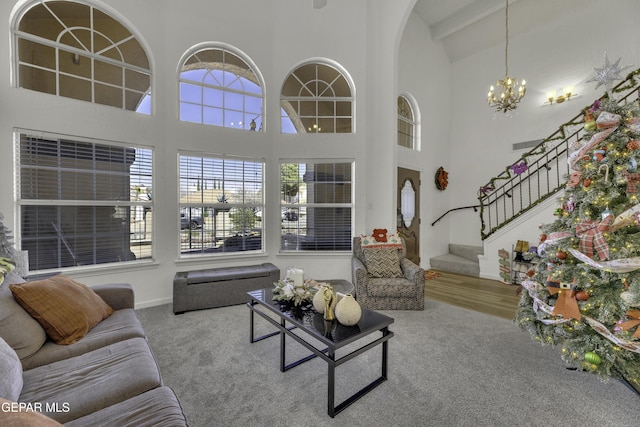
[(290, 321)]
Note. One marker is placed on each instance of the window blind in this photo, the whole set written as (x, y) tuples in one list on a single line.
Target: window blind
[(221, 204), (83, 202), (316, 206)]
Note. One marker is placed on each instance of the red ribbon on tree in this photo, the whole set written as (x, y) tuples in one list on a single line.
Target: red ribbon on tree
[(632, 181), (591, 238)]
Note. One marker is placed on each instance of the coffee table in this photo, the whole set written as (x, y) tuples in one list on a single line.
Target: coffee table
[(302, 325)]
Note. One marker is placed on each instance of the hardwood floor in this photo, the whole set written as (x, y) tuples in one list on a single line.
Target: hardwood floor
[(474, 293)]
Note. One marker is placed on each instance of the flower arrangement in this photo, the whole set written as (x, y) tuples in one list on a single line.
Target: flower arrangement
[(286, 291)]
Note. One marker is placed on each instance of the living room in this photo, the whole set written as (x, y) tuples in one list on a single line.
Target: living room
[(381, 49), (445, 107)]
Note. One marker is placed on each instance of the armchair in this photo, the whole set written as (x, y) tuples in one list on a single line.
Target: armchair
[(404, 290)]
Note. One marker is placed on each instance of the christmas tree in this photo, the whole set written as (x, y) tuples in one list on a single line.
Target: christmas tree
[(584, 296), (6, 245), (7, 250)]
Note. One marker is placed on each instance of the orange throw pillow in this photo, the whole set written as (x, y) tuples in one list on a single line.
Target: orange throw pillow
[(66, 309)]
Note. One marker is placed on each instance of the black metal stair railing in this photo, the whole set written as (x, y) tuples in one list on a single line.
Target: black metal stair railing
[(541, 172)]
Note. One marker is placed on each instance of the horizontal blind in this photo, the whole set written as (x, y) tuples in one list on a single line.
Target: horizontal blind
[(83, 203), (221, 204), (317, 207)]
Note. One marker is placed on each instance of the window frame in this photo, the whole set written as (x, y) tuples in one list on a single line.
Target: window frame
[(260, 118), (128, 70), (224, 206), (302, 209), (96, 203), (291, 106), (413, 123)]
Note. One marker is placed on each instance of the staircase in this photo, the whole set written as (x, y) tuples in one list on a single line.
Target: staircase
[(541, 172), (533, 178), (461, 259)]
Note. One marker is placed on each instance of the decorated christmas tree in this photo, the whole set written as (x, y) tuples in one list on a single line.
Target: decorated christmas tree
[(6, 241), (584, 296), (7, 250)]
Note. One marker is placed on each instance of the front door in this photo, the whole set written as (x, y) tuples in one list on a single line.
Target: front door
[(408, 224)]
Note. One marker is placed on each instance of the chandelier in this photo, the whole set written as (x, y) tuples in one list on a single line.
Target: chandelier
[(508, 92)]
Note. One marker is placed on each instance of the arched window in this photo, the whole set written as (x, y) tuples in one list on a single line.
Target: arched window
[(220, 86), (407, 123), (75, 50), (317, 97)]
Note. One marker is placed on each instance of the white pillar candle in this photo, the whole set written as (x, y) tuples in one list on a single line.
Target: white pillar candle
[(298, 277)]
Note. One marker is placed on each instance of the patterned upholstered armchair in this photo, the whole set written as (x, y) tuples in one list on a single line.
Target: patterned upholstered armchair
[(385, 280)]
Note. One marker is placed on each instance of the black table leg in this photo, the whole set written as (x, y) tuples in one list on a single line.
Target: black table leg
[(251, 322), (331, 384), (282, 346), (334, 410), (385, 353)]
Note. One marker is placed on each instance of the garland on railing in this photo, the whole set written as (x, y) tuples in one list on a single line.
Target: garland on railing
[(512, 170)]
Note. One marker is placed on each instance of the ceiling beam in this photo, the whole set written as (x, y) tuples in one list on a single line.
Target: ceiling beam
[(466, 16)]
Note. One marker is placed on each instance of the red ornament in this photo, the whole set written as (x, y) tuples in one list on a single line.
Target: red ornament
[(582, 295), (587, 182), (561, 255), (633, 145), (543, 237)]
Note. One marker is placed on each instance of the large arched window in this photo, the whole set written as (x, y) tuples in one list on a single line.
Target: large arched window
[(317, 98), (220, 86), (76, 50), (408, 123)]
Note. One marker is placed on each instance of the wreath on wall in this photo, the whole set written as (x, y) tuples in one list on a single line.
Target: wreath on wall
[(442, 179)]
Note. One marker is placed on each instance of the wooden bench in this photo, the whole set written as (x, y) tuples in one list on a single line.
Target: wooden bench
[(219, 287)]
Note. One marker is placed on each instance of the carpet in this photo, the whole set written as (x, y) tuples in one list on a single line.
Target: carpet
[(448, 366)]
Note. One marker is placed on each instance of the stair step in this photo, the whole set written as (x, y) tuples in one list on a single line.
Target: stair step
[(455, 264), (466, 251)]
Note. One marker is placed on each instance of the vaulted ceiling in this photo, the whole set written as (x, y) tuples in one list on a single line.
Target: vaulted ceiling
[(467, 26)]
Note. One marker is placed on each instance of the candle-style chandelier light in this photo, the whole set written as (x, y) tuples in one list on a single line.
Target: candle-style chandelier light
[(508, 92)]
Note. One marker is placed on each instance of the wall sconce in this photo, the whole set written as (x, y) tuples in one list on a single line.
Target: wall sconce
[(565, 95)]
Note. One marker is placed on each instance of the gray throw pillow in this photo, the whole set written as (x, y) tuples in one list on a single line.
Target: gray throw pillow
[(20, 331), (10, 372), (383, 262)]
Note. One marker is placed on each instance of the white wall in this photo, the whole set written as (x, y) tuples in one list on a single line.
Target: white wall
[(562, 52), (277, 35), (424, 73)]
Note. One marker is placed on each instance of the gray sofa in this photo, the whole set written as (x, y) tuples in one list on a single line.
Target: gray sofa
[(109, 377)]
